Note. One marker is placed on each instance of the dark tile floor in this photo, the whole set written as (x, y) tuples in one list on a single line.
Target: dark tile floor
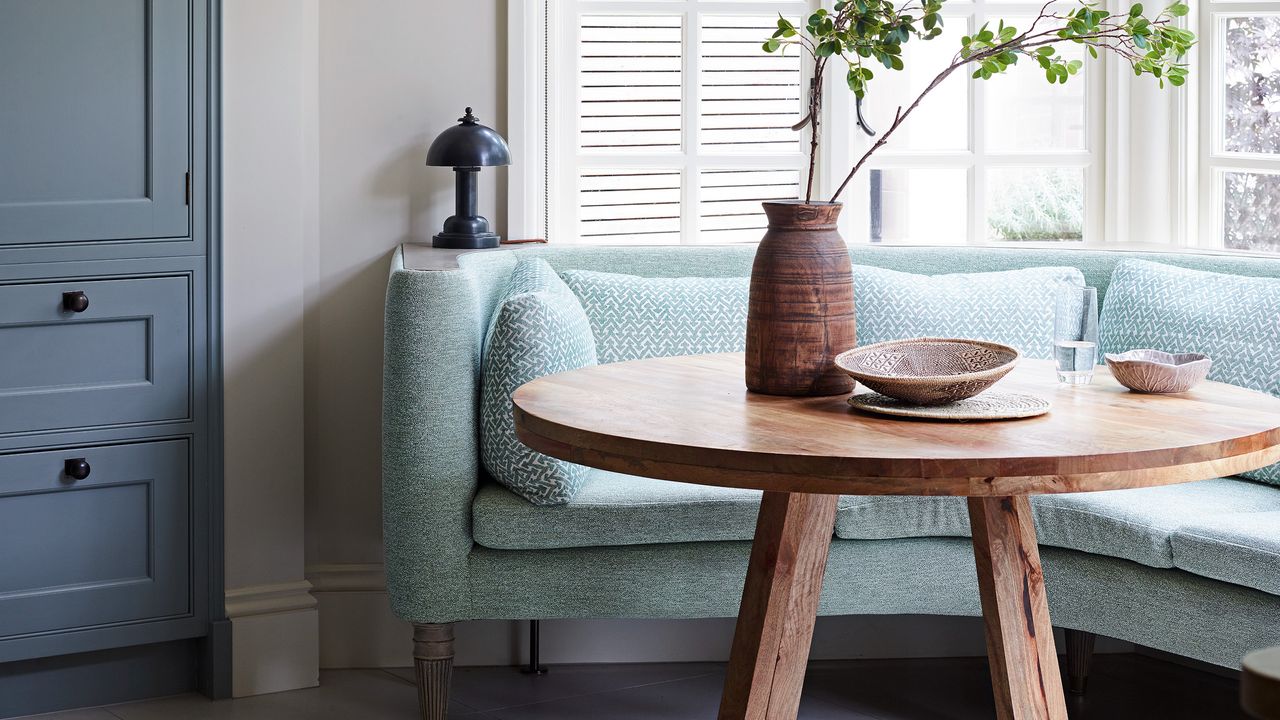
[(1132, 687)]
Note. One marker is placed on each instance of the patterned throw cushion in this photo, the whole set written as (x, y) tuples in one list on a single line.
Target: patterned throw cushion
[(1015, 307), (538, 330), (637, 317), (1235, 320)]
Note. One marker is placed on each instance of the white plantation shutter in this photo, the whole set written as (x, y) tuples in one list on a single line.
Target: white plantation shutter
[(666, 121)]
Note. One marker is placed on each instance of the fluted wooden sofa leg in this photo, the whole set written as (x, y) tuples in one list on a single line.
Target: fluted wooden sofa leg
[(433, 667), (1079, 655)]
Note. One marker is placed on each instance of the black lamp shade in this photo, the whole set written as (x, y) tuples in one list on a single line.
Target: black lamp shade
[(469, 144)]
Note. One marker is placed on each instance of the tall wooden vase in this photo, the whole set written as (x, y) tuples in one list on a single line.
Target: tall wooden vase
[(801, 309)]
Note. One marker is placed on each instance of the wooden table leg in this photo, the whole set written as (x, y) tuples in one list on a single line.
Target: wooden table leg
[(779, 605), (1024, 663)]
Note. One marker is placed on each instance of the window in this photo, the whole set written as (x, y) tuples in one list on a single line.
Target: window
[(1240, 167), (669, 124), (1010, 159), (662, 121)]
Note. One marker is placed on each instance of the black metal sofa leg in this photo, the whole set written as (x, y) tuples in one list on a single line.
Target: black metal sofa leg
[(1079, 655), (535, 667), (433, 668)]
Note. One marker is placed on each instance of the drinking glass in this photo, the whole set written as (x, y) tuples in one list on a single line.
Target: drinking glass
[(1075, 334)]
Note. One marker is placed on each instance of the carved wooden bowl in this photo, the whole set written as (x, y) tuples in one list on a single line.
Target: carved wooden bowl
[(929, 371), (1154, 371)]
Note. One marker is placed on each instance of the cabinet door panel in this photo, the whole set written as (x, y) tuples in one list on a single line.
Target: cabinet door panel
[(94, 141), (111, 547), (126, 358)]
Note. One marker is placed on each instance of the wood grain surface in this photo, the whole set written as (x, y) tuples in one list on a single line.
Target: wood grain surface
[(800, 314), (691, 419), (779, 605), (1015, 610)]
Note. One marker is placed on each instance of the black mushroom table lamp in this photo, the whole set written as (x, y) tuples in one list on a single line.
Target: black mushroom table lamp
[(467, 147)]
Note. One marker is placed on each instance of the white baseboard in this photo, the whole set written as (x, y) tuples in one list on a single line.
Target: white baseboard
[(274, 638), (358, 629)]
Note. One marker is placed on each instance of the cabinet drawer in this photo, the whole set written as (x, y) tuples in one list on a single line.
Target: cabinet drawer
[(125, 358), (109, 547)]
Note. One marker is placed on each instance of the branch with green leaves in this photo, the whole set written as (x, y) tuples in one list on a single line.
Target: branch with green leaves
[(861, 31)]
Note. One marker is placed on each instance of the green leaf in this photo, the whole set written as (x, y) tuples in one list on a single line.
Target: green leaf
[(1177, 80), (1178, 9), (771, 45), (1046, 51), (1136, 10), (1094, 52)]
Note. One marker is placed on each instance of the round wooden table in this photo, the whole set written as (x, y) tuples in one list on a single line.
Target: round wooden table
[(691, 419)]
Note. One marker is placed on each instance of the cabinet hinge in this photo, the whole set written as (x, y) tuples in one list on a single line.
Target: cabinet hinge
[(187, 191)]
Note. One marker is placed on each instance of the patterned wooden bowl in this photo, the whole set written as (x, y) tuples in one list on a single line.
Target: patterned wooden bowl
[(929, 371), (1154, 371)]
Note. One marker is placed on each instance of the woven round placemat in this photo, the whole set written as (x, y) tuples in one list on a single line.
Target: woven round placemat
[(991, 405)]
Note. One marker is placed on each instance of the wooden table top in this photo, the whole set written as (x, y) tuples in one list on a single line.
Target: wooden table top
[(691, 419)]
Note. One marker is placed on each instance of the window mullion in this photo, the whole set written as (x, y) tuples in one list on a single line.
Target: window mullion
[(690, 95), (978, 144)]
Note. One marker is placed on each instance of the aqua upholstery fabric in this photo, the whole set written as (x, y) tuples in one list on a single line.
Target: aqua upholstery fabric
[(614, 509), (636, 317), (538, 330), (1234, 320), (1169, 610), (1135, 525), (1014, 307), (1241, 548), (434, 329)]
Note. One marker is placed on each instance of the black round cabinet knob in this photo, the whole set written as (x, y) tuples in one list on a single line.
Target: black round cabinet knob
[(76, 468), (75, 301)]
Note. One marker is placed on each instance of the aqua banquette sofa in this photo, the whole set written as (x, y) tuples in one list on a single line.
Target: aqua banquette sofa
[(1188, 569)]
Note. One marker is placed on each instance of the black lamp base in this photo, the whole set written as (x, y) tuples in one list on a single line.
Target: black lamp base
[(466, 241)]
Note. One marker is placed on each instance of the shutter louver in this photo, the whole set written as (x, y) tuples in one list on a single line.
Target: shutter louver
[(729, 202), (748, 99), (629, 206), (641, 152), (629, 83)]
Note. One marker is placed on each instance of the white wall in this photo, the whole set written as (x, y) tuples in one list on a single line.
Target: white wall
[(393, 74), (269, 230)]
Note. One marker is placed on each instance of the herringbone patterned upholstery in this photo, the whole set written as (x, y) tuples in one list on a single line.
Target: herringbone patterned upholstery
[(636, 317), (1235, 320), (1014, 307), (539, 329)]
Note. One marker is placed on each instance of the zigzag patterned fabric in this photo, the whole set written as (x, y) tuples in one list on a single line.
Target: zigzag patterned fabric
[(638, 317), (1235, 320), (538, 330), (1014, 307)]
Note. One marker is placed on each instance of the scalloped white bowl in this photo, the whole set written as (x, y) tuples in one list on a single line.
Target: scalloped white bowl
[(1156, 371)]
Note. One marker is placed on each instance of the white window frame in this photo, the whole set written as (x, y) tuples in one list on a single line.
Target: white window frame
[(565, 155), (1119, 117), (1213, 161), (975, 160)]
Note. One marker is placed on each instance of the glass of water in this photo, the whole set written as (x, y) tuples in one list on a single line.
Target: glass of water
[(1075, 334)]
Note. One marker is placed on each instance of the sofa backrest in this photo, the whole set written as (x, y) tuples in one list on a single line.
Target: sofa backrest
[(434, 329)]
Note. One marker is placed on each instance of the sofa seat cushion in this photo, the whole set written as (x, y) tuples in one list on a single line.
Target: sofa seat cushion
[(1135, 525), (1239, 548), (614, 509)]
